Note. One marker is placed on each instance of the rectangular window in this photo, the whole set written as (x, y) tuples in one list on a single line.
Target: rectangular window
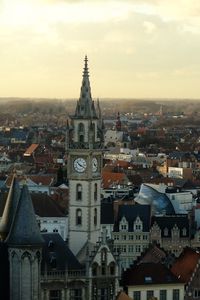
[(54, 295), (163, 295), (137, 248), (137, 295), (149, 295), (75, 294), (176, 295), (130, 237)]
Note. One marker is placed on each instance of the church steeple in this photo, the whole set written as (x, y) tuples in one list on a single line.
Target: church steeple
[(85, 106)]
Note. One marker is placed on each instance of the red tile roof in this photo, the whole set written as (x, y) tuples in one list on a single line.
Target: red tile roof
[(122, 296), (110, 178), (185, 264), (149, 273), (31, 149)]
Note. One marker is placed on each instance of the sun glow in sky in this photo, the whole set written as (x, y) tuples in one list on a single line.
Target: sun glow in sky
[(136, 48)]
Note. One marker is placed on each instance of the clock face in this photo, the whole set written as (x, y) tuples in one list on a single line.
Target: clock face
[(80, 164), (94, 164)]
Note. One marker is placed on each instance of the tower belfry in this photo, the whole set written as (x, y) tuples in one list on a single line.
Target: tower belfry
[(84, 169)]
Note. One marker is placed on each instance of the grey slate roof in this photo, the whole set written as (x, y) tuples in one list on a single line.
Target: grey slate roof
[(169, 222), (131, 212), (57, 255), (107, 213), (10, 208), (24, 230)]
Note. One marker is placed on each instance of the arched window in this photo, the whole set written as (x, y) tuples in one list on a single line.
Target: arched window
[(79, 192), (81, 132), (95, 191), (78, 217), (103, 255), (95, 217)]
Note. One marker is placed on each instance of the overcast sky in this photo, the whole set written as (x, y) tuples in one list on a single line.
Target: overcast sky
[(136, 48)]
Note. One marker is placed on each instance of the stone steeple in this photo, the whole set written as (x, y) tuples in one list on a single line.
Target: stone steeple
[(85, 108), (24, 230), (10, 209)]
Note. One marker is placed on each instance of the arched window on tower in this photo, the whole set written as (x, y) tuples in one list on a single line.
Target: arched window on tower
[(81, 132), (79, 217), (95, 217), (95, 191), (78, 192)]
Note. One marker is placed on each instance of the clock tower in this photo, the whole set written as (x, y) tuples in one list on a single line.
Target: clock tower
[(84, 146)]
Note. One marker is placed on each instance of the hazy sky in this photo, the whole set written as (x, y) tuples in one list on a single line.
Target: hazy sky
[(136, 48)]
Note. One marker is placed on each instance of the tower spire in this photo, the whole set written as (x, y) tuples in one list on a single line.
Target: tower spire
[(85, 107)]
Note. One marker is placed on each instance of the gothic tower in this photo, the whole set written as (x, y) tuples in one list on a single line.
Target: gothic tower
[(20, 232), (84, 170)]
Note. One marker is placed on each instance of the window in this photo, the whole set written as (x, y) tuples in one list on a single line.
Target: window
[(103, 255), (78, 217), (123, 249), (196, 293), (163, 295), (184, 231), (54, 295), (137, 237), (75, 294), (79, 192), (95, 217), (137, 295), (176, 294), (137, 248), (145, 237), (81, 131), (123, 237), (116, 237), (95, 192), (149, 295), (130, 248), (55, 230), (166, 231)]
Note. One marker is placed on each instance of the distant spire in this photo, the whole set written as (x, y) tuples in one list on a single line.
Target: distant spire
[(85, 107), (10, 208), (118, 123)]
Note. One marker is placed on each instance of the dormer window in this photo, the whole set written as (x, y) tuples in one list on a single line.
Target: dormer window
[(166, 231), (138, 225), (184, 231), (123, 224)]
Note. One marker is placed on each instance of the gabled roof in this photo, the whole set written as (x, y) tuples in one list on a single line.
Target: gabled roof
[(185, 264), (122, 296), (152, 255), (24, 230), (56, 250), (110, 178), (131, 212), (181, 221), (149, 274), (31, 149), (44, 206)]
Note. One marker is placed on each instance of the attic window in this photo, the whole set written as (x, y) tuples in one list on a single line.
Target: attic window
[(50, 244), (148, 279), (184, 231)]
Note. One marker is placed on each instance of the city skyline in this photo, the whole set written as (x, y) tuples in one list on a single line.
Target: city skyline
[(136, 49)]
